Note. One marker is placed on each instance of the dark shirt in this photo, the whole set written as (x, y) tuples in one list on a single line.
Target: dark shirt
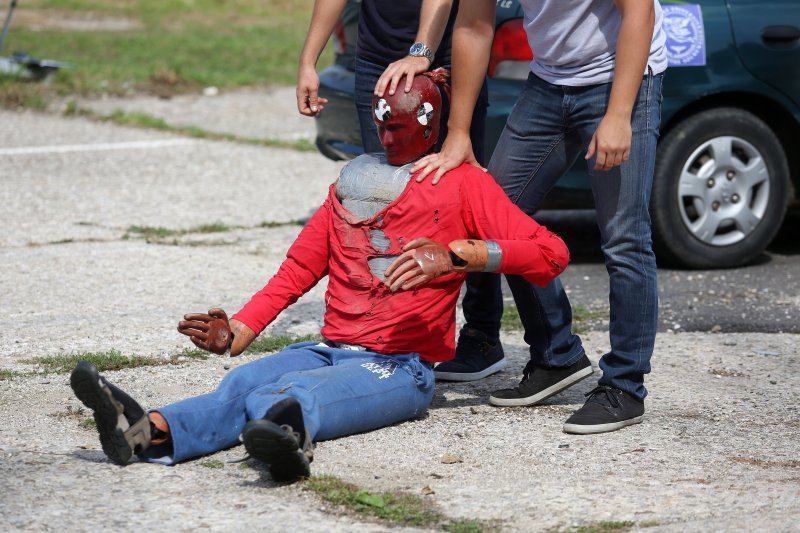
[(388, 28)]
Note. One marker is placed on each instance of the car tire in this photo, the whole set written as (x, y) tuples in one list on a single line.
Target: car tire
[(719, 190)]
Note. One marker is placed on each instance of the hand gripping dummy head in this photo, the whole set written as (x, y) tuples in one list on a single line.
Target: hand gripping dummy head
[(408, 122)]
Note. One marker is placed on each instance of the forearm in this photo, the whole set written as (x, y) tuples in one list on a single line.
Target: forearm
[(472, 43), (472, 255), (632, 52), (323, 20), (284, 289), (305, 264), (527, 248), (432, 22), (243, 336)]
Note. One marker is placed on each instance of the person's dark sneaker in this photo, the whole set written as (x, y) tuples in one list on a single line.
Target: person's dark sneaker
[(123, 425), (606, 409), (287, 449), (477, 356), (539, 383)]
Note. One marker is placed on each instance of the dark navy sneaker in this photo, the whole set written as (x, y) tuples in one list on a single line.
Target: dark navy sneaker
[(539, 383), (281, 440), (123, 425), (606, 409), (477, 356)]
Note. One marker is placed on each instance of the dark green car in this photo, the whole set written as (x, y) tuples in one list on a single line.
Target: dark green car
[(728, 161)]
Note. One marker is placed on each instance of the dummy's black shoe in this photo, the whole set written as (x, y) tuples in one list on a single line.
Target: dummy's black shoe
[(123, 425), (539, 383), (281, 440), (606, 409), (477, 356)]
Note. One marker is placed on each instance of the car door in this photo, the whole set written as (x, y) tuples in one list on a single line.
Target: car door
[(767, 36)]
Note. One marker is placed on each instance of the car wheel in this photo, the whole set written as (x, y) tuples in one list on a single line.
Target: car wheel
[(719, 190)]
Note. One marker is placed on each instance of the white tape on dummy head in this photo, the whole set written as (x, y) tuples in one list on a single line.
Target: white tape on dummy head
[(425, 113), (383, 111)]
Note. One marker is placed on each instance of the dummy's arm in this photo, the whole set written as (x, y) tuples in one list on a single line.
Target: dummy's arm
[(215, 333), (424, 260)]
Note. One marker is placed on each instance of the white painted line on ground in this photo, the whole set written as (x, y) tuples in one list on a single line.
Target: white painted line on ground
[(96, 147)]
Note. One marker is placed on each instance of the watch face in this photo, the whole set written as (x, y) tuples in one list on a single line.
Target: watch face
[(420, 50)]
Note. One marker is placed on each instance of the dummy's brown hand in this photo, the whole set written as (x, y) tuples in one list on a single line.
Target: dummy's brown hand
[(421, 261), (211, 332)]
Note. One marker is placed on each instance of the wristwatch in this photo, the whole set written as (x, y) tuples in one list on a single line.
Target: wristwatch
[(421, 50)]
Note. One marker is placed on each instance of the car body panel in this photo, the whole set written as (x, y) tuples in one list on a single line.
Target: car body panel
[(776, 60), (739, 69)]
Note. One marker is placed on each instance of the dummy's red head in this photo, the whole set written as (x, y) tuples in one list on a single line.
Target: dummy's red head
[(408, 122)]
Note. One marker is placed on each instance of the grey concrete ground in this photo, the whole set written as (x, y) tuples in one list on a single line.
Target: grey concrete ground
[(718, 450)]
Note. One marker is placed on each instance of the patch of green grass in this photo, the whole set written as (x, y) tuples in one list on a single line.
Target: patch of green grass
[(152, 232), (604, 527), (144, 120), (582, 317), (6, 374), (397, 508), (77, 414), (16, 94), (212, 463), (271, 224), (217, 227), (193, 353), (464, 525), (510, 320), (104, 361), (136, 118), (70, 412), (277, 343), (162, 234), (33, 244), (159, 232), (202, 43)]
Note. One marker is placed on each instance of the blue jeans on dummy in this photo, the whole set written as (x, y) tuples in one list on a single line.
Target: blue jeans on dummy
[(485, 314), (549, 127), (341, 392)]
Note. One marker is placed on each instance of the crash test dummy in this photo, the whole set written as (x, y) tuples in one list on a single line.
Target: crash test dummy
[(395, 253)]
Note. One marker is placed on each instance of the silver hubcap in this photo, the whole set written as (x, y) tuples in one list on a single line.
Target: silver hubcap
[(723, 191)]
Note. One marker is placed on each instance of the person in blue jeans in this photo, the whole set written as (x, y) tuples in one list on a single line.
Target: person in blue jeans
[(393, 285), (594, 90), (397, 40)]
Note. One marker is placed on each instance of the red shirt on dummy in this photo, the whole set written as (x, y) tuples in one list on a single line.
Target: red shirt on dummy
[(361, 309)]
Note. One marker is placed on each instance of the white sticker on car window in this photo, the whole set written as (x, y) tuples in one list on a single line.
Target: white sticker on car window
[(686, 38)]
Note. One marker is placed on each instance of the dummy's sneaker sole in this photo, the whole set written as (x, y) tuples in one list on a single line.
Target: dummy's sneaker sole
[(473, 376), (544, 393), (111, 423), (268, 442)]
